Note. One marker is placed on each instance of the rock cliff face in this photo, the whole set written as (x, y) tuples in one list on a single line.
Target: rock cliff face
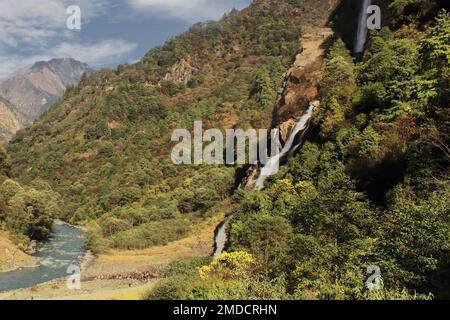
[(300, 89), (32, 91), (181, 72), (8, 122), (301, 81)]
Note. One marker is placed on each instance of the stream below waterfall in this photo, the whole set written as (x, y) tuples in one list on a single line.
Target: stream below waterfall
[(295, 140), (221, 237)]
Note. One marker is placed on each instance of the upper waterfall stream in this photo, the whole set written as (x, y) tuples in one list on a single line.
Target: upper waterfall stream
[(361, 35)]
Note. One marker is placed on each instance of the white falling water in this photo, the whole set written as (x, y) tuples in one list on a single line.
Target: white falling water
[(221, 237), (361, 35), (273, 164)]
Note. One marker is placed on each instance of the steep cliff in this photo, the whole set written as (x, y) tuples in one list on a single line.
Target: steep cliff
[(300, 89), (8, 122)]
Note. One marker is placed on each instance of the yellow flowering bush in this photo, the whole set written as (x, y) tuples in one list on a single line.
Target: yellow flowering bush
[(229, 266)]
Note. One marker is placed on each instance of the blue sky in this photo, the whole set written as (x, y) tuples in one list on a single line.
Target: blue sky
[(112, 31)]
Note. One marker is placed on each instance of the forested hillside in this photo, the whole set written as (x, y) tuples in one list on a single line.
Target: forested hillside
[(26, 211), (106, 146), (368, 192)]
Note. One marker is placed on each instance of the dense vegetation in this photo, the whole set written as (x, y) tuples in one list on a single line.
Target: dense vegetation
[(26, 211), (106, 146), (370, 188)]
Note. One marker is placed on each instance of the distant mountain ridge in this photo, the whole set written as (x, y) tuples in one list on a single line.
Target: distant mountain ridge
[(33, 90)]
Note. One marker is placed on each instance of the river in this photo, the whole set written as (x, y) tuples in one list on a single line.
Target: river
[(65, 247)]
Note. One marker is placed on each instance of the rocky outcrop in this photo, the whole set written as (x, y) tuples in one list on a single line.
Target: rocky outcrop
[(33, 90), (9, 124), (181, 72), (300, 90), (301, 81)]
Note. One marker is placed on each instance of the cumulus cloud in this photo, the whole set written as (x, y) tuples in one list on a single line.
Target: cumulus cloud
[(27, 22), (190, 10), (33, 30), (99, 54)]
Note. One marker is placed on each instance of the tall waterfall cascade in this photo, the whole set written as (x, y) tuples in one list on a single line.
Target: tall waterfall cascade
[(291, 145), (289, 148), (300, 88), (361, 34)]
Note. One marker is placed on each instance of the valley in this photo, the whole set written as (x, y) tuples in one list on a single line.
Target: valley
[(100, 275), (361, 181)]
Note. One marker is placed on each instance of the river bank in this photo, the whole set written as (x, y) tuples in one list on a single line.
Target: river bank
[(101, 275), (11, 257), (53, 258)]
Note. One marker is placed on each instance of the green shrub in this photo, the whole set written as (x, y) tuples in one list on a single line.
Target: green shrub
[(151, 234), (175, 288)]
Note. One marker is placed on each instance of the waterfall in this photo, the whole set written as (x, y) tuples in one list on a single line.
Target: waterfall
[(221, 237), (288, 148), (361, 35)]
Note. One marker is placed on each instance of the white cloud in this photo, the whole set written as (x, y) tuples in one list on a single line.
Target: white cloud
[(33, 30), (26, 22), (190, 10), (99, 54)]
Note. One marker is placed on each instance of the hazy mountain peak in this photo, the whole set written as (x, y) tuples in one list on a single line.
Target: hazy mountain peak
[(33, 90)]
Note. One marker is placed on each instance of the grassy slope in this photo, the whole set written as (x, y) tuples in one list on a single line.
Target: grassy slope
[(8, 122), (11, 257)]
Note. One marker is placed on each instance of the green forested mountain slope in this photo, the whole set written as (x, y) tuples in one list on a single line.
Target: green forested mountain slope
[(106, 146), (26, 210), (367, 196)]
